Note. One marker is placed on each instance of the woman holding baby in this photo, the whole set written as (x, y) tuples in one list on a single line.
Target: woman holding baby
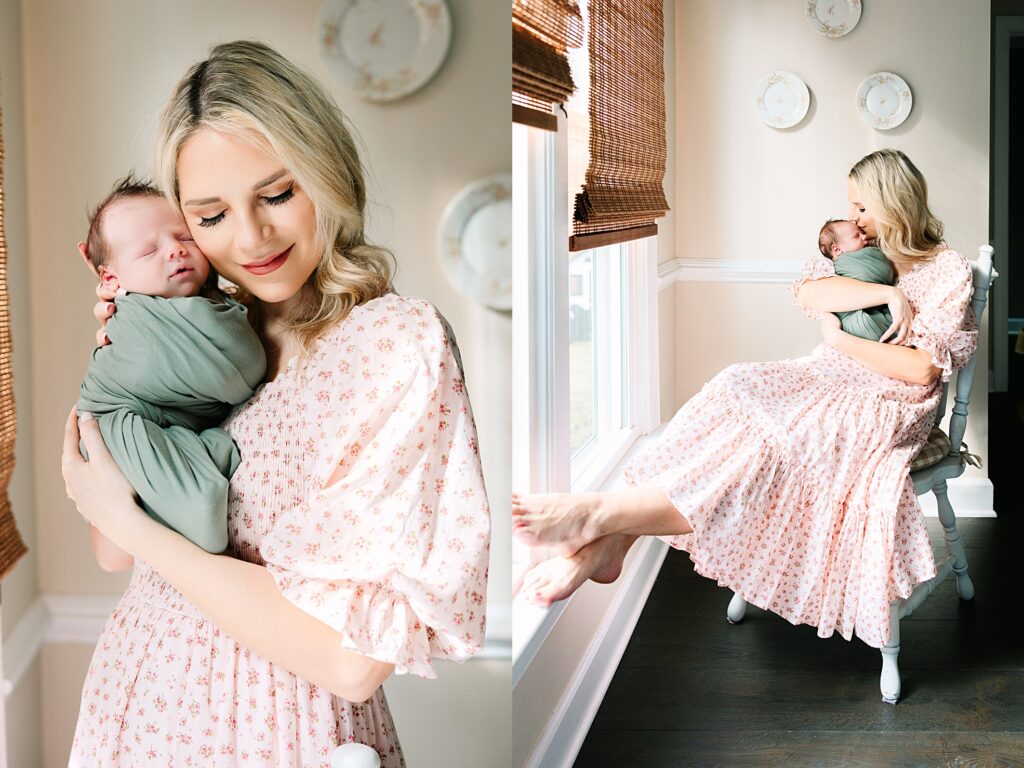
[(357, 519), (788, 481)]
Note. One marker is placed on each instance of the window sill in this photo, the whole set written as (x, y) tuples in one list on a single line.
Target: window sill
[(603, 461), (532, 624)]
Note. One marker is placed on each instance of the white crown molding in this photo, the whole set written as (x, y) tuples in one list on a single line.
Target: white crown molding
[(728, 271)]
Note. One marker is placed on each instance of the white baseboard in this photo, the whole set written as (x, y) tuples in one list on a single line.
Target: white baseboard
[(570, 722), (969, 496), (79, 620)]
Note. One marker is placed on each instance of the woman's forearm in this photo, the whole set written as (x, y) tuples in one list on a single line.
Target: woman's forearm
[(843, 294), (897, 362), (109, 556), (243, 600)]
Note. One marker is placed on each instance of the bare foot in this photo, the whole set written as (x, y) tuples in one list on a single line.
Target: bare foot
[(566, 522), (558, 577)]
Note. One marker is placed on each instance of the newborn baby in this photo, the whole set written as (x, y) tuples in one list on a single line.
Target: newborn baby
[(181, 354), (844, 243)]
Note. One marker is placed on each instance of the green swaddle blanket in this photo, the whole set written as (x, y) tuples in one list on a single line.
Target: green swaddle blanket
[(868, 265), (171, 374)]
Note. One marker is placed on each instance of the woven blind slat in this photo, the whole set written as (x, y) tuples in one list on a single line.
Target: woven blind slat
[(11, 546), (542, 31), (623, 184)]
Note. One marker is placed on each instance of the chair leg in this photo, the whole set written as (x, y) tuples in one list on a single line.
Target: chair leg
[(955, 545), (890, 681), (737, 607)]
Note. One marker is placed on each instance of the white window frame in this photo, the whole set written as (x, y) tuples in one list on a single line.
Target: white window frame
[(541, 452), (593, 467)]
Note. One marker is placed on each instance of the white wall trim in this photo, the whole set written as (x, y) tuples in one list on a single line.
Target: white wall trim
[(79, 620), (24, 642), (570, 722), (728, 271), (969, 496)]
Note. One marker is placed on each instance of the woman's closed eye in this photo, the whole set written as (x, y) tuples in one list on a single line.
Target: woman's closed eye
[(283, 197), (211, 221), (278, 199)]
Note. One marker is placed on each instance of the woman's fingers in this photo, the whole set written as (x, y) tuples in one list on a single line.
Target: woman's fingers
[(102, 310), (103, 293), (70, 454), (89, 429)]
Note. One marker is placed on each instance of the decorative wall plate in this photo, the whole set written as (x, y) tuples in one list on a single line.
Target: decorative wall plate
[(782, 99), (384, 49), (474, 241), (832, 18), (884, 100)]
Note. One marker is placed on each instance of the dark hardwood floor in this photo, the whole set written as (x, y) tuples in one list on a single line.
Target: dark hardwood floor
[(693, 690)]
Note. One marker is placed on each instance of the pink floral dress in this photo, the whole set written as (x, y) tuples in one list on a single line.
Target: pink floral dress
[(794, 475), (392, 555)]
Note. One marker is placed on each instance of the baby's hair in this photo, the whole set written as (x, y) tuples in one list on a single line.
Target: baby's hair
[(828, 236), (127, 188)]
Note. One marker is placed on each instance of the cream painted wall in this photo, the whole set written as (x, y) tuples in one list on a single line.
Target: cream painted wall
[(667, 227), (21, 586), (747, 191), (96, 75)]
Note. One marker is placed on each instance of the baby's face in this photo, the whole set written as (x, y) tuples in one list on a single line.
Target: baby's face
[(151, 250), (848, 238)]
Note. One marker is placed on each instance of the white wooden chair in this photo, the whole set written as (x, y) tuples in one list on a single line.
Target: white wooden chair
[(354, 755), (932, 478)]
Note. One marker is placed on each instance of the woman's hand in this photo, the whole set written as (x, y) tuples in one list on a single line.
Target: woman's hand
[(830, 328), (103, 311), (902, 318), (100, 490)]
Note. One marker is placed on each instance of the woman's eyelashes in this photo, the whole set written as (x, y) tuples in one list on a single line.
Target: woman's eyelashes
[(211, 221), (284, 197), (278, 199)]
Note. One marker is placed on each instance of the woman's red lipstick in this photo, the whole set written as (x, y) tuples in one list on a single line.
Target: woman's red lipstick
[(269, 265)]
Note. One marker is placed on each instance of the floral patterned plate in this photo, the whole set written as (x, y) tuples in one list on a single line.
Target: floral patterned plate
[(384, 49), (474, 241), (832, 18), (884, 100), (782, 99)]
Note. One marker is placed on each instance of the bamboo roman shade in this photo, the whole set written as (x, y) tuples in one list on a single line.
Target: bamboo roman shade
[(11, 545), (542, 31), (622, 193)]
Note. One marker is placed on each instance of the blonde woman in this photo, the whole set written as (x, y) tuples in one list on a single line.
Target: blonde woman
[(788, 481), (358, 522)]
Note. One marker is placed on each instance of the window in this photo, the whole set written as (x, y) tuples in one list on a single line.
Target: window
[(584, 336)]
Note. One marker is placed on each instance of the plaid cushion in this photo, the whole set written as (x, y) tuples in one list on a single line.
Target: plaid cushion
[(932, 452)]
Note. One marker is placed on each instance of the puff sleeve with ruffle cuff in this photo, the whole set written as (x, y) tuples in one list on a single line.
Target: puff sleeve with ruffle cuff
[(816, 268), (945, 325), (393, 553)]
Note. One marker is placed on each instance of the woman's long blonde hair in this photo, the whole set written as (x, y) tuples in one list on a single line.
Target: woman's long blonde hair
[(248, 89), (895, 192)]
